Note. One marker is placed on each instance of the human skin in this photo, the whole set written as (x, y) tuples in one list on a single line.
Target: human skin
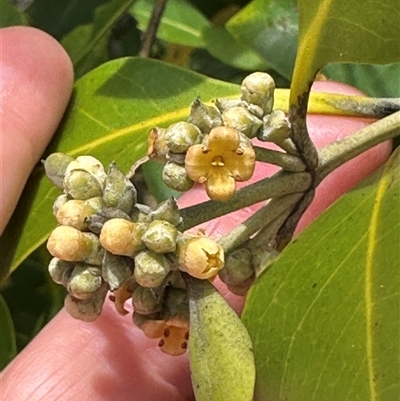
[(110, 359)]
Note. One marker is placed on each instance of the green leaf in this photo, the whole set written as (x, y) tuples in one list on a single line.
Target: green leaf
[(324, 319), (222, 45), (104, 18), (61, 16), (269, 28), (8, 347), (343, 31), (111, 112), (220, 351), (181, 23), (10, 15), (373, 79)]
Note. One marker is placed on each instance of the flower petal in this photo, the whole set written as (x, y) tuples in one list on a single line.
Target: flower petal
[(223, 139), (242, 166), (197, 163), (220, 184)]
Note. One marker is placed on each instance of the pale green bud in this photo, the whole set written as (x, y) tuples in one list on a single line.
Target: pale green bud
[(225, 104), (160, 236), (151, 269), (167, 211), (175, 177), (55, 166), (276, 128), (180, 136), (204, 117), (84, 281), (60, 270), (258, 88), (118, 191), (145, 302), (242, 120)]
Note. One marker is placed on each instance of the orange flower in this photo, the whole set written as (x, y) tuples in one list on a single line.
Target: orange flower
[(220, 162)]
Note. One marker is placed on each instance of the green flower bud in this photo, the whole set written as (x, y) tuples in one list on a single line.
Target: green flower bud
[(238, 267), (204, 117), (69, 244), (141, 213), (225, 104), (60, 200), (176, 306), (87, 310), (122, 237), (55, 166), (60, 270), (175, 177), (84, 281), (151, 269), (242, 120), (161, 236), (118, 191), (84, 178), (157, 146), (258, 88), (175, 279), (96, 221), (276, 128), (116, 270), (145, 302), (180, 136), (167, 211)]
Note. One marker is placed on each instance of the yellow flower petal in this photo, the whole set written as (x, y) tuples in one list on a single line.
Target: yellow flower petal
[(220, 184), (241, 167), (222, 139), (197, 162)]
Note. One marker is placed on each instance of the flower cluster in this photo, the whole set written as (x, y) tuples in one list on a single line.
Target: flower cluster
[(213, 146), (106, 241)]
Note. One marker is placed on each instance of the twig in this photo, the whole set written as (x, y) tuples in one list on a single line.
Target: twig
[(281, 159), (152, 26)]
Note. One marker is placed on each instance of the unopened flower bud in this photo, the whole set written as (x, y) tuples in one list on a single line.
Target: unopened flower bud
[(201, 257), (122, 237), (118, 191), (60, 200), (258, 88), (238, 267), (204, 117), (87, 310), (167, 211), (141, 213), (68, 243), (242, 120), (116, 269), (176, 304), (60, 270), (145, 302), (276, 127), (180, 136), (74, 213), (84, 178), (225, 104), (55, 166), (157, 146), (175, 177), (160, 236), (84, 281), (151, 269)]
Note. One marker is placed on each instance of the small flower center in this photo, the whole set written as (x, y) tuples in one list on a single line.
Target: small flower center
[(218, 161), (213, 260)]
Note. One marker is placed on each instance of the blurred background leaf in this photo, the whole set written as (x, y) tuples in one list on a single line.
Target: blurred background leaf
[(10, 15), (324, 318), (8, 347)]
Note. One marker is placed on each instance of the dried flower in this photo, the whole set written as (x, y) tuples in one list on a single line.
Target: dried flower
[(220, 163)]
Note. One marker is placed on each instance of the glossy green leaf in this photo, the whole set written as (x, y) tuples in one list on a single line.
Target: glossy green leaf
[(8, 347), (111, 112), (10, 15), (269, 28), (104, 18), (220, 350), (181, 23), (373, 79), (61, 16), (344, 31), (222, 45), (324, 319)]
